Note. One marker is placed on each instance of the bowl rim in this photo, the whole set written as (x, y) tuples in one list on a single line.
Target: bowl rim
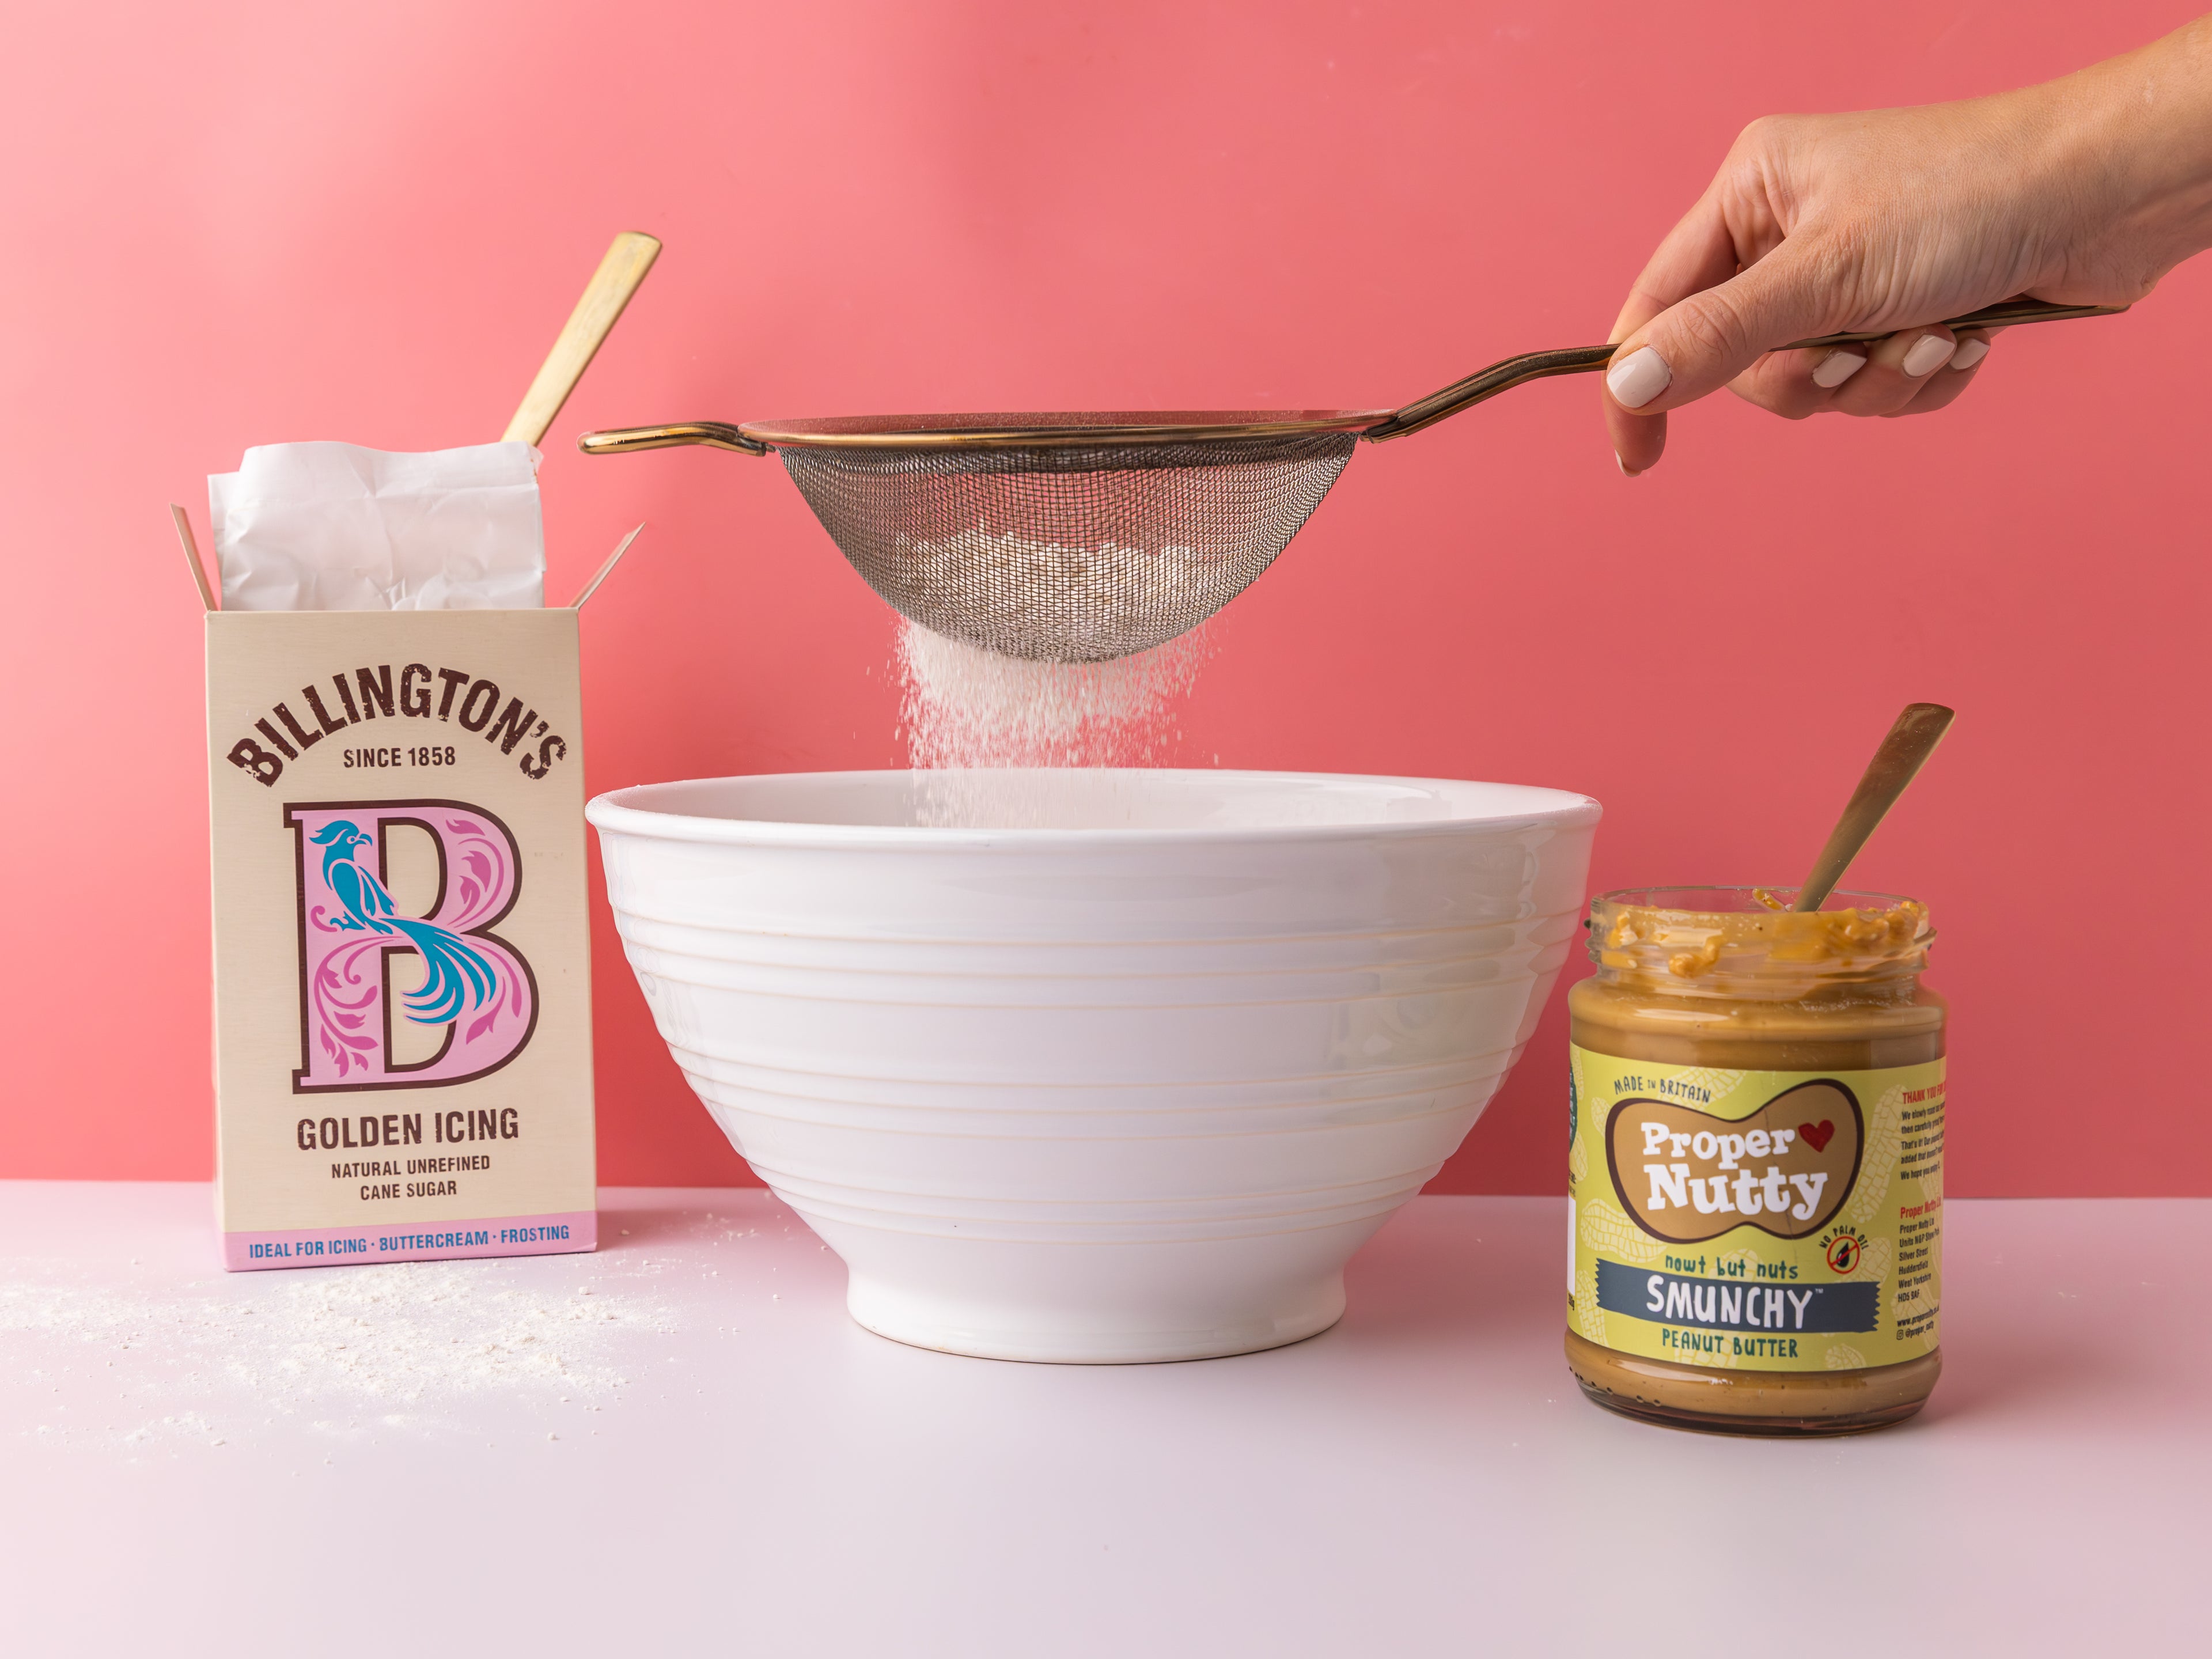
[(611, 812)]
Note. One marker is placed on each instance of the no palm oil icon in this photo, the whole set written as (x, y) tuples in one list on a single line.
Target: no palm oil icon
[(1844, 1252)]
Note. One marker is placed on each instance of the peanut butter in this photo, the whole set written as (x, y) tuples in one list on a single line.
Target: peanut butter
[(1755, 1154)]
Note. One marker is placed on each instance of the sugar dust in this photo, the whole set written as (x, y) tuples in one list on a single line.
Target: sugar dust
[(965, 708)]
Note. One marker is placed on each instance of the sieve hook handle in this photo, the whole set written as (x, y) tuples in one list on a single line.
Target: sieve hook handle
[(1583, 359), (716, 435)]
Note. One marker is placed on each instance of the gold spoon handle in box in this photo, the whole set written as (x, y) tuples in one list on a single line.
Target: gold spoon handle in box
[(609, 291)]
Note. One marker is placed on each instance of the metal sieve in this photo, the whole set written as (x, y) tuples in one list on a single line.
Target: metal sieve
[(1080, 538)]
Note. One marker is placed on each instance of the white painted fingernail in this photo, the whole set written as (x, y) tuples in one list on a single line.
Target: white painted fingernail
[(1837, 368), (1926, 355), (1969, 353), (1623, 465), (1639, 378)]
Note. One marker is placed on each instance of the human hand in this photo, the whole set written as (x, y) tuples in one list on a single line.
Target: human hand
[(2083, 191)]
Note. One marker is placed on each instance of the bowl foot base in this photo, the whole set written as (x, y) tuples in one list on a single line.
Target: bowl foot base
[(1063, 1337)]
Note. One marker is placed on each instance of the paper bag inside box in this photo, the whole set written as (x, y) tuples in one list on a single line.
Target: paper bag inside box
[(402, 974)]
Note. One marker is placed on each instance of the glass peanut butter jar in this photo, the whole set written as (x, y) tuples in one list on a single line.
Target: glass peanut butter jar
[(1756, 1159)]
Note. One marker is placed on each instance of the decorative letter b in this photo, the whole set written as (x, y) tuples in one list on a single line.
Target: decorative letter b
[(472, 983)]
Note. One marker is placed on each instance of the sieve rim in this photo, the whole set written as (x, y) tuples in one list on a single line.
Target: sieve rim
[(1063, 430)]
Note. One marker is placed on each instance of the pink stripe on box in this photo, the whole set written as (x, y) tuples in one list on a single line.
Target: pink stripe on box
[(429, 1241)]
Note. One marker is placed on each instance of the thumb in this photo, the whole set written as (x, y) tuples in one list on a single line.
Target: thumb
[(1702, 342)]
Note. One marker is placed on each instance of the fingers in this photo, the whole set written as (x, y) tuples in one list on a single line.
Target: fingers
[(1898, 370), (1699, 252), (1639, 441), (1796, 384), (1913, 373), (1973, 346), (1704, 341), (1701, 343), (1949, 383)]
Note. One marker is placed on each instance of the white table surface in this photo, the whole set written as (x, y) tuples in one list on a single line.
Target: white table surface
[(681, 1445)]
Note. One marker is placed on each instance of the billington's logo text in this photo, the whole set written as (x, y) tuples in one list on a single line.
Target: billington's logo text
[(419, 692)]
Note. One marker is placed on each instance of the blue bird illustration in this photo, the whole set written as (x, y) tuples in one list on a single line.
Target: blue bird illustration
[(459, 974)]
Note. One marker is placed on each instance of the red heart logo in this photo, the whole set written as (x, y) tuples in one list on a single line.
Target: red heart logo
[(1819, 1133)]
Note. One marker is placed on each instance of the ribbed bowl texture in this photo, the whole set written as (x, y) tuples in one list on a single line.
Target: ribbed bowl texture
[(1122, 1065)]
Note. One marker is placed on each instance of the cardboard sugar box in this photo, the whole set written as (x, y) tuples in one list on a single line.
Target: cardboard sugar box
[(395, 762)]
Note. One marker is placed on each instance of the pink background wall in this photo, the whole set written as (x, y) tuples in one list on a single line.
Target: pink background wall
[(270, 220)]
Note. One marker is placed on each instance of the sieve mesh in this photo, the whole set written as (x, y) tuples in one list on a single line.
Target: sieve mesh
[(1067, 552)]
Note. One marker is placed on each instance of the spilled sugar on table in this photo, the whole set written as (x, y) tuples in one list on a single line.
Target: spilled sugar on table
[(682, 1443)]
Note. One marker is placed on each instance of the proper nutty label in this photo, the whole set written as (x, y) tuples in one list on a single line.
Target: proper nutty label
[(1686, 1177), (1765, 1220)]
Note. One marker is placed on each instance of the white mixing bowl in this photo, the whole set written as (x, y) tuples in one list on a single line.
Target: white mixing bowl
[(1130, 1081)]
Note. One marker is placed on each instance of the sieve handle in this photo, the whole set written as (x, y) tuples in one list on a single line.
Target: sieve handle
[(1498, 377), (716, 435), (1583, 359)]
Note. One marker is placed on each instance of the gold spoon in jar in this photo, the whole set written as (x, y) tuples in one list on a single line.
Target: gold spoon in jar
[(1896, 763)]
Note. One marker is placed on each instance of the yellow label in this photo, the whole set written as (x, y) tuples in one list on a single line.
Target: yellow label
[(1777, 1221)]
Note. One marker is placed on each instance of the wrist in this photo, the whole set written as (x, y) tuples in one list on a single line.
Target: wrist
[(2128, 148)]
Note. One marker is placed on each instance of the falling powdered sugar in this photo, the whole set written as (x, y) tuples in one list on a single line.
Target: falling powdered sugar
[(966, 708)]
